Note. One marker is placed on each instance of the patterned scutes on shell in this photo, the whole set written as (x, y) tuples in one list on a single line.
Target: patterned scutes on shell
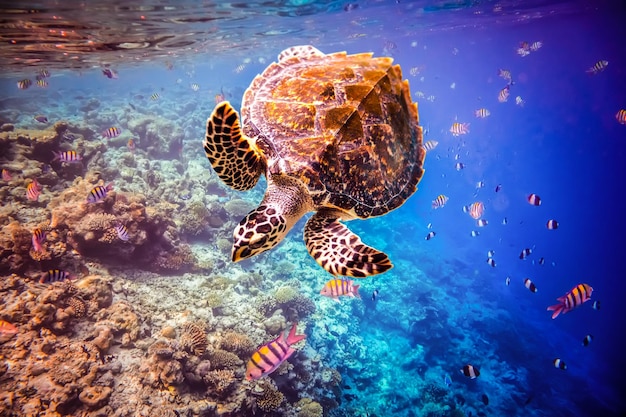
[(343, 124)]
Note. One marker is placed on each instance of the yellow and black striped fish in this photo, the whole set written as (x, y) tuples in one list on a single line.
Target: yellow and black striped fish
[(621, 116), (338, 287), (154, 96), (54, 275), (42, 83), (67, 156), (112, 132), (24, 84), (99, 193), (575, 297), (440, 201)]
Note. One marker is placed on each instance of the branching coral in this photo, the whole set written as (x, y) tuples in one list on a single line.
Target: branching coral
[(221, 380), (270, 399)]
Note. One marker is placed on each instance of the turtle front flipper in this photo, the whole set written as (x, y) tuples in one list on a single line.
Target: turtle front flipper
[(338, 250), (234, 157)]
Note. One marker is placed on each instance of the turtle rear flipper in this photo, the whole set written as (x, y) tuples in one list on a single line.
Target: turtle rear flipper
[(338, 250), (234, 157)]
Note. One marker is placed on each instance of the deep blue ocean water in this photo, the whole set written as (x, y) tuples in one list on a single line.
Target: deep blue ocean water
[(443, 306)]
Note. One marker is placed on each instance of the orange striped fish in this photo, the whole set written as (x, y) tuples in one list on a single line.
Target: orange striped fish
[(66, 156), (574, 298), (33, 190), (337, 287), (458, 129), (38, 238), (269, 356), (621, 116), (476, 210), (503, 95)]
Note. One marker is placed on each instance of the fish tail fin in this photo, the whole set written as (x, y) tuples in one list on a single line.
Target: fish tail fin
[(57, 155), (355, 291), (109, 186), (557, 308), (293, 337)]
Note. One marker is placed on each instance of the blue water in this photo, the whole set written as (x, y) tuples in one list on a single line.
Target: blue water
[(443, 306)]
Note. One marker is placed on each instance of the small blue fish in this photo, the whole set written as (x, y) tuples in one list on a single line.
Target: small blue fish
[(447, 380)]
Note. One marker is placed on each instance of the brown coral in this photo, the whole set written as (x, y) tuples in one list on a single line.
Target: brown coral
[(237, 343), (94, 397), (308, 408), (222, 359), (78, 306), (193, 339), (270, 399), (220, 380), (162, 349)]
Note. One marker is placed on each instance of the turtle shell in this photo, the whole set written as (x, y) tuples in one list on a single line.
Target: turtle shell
[(343, 124)]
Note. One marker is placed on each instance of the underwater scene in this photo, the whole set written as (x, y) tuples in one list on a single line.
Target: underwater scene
[(313, 208)]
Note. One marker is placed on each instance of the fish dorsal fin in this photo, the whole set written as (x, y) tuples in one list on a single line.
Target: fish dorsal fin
[(300, 52)]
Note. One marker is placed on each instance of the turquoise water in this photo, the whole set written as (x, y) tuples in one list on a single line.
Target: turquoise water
[(441, 307)]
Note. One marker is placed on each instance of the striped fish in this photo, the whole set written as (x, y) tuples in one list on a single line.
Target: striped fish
[(112, 132), (337, 287), (598, 67), (154, 96), (574, 298), (458, 129), (195, 86), (620, 116), (429, 145), (482, 113), (43, 73), (33, 190), (440, 201), (503, 95), (42, 83), (38, 237), (99, 193), (476, 210), (269, 356), (66, 156), (24, 84), (54, 275), (530, 285), (122, 232)]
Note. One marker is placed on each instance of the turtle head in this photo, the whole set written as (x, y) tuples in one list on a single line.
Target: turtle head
[(261, 230)]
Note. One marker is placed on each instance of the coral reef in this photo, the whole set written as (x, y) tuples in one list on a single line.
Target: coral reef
[(194, 339)]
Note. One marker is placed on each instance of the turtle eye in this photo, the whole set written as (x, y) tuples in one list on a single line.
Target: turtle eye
[(257, 242)]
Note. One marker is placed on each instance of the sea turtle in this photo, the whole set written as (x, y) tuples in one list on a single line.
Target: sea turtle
[(336, 134)]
